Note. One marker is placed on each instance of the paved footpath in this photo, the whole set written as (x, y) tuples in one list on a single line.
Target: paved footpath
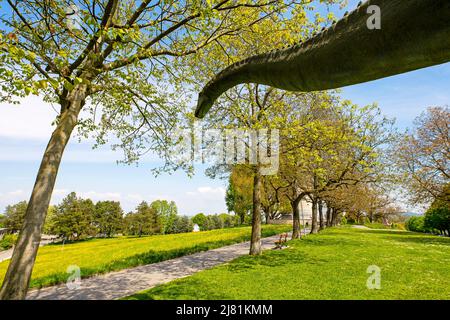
[(5, 255), (123, 283)]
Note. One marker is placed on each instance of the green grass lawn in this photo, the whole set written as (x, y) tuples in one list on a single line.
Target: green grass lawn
[(104, 255), (374, 225), (330, 265)]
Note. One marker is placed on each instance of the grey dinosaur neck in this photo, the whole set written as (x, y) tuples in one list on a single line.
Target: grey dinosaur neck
[(414, 34)]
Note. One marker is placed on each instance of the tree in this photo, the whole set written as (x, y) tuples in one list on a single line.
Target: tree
[(14, 216), (329, 144), (108, 217), (74, 218), (422, 157), (274, 203), (144, 221), (252, 107), (416, 224), (182, 225), (111, 59), (200, 219), (239, 194), (438, 219), (228, 221), (49, 224), (167, 213), (437, 216)]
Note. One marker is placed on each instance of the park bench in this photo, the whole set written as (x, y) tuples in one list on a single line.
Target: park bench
[(282, 242)]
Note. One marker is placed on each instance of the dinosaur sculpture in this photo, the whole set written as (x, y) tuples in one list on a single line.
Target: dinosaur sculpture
[(414, 34)]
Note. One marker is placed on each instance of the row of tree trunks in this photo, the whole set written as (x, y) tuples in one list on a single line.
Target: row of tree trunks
[(334, 217), (318, 220)]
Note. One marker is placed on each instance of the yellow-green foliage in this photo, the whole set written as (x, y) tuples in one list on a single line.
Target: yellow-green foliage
[(8, 241), (104, 255)]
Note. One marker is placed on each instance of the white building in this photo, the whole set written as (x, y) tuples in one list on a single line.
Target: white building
[(305, 215)]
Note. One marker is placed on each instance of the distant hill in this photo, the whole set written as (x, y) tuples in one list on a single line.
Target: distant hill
[(411, 214)]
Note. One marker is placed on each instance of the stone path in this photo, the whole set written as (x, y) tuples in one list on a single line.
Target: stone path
[(357, 226), (123, 283), (5, 255)]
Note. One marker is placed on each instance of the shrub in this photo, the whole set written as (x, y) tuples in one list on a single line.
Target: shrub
[(8, 241), (416, 224), (398, 226), (200, 219), (438, 219)]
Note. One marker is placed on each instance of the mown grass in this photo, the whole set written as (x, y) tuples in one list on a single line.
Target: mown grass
[(375, 225), (330, 265), (104, 255)]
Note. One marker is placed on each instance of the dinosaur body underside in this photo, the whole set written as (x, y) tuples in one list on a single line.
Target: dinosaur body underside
[(414, 34)]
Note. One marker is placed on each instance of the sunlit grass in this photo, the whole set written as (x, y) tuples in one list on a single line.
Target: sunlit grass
[(104, 255), (330, 265)]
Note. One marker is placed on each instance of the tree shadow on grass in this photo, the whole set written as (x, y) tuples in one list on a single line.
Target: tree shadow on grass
[(274, 259), (179, 290), (413, 237), (390, 232)]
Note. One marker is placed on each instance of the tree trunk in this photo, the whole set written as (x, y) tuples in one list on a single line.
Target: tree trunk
[(267, 214), (296, 233), (314, 225), (17, 278), (255, 243), (328, 216), (321, 222), (334, 217)]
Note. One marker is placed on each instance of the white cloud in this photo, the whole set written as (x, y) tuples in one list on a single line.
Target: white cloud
[(99, 196), (204, 199), (135, 196), (12, 197), (15, 193), (219, 190), (60, 192), (31, 119)]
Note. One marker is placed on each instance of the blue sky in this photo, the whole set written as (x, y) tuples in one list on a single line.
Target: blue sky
[(24, 130)]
